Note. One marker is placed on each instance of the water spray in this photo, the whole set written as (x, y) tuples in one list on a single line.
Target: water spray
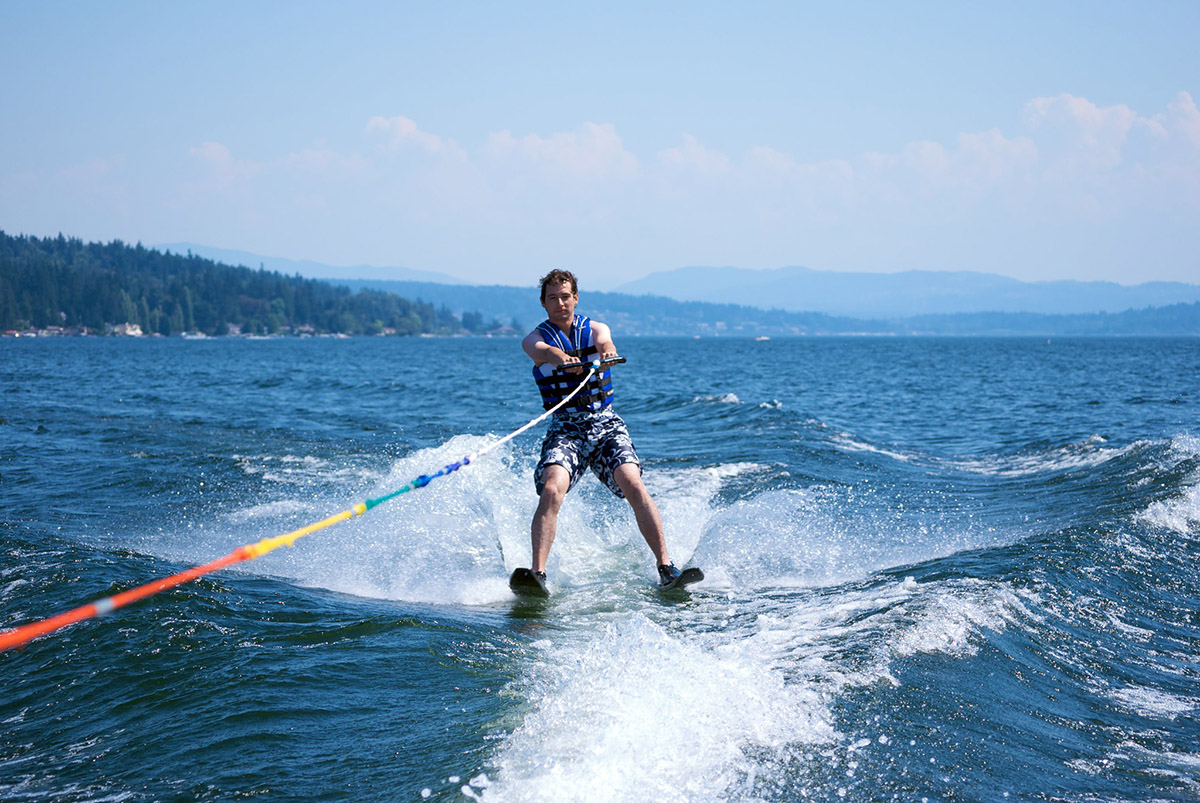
[(19, 636)]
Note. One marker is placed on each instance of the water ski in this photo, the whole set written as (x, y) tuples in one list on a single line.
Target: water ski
[(685, 579), (525, 583)]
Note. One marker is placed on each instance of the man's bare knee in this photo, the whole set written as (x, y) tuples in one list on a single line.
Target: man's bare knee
[(555, 484), (629, 479)]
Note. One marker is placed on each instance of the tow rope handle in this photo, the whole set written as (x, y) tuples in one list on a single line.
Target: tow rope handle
[(595, 365)]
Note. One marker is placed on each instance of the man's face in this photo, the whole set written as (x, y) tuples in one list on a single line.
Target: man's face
[(560, 303)]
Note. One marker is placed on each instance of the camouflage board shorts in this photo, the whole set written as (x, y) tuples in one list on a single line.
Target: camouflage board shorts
[(597, 440)]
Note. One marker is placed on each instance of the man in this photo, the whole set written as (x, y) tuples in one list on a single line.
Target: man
[(587, 431)]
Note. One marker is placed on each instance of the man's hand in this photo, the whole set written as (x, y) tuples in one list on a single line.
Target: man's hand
[(566, 360)]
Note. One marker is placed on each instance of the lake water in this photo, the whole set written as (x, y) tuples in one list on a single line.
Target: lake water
[(937, 568)]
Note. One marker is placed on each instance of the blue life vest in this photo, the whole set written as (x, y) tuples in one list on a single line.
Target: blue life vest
[(555, 386)]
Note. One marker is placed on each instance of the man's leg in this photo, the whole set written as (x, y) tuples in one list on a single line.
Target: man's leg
[(629, 478), (545, 521)]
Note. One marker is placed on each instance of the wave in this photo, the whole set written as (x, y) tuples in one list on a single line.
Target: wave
[(724, 398), (949, 620), (828, 535), (1154, 703), (1180, 513), (1088, 453), (848, 443)]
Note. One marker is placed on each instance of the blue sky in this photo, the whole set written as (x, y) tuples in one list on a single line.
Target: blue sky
[(494, 141)]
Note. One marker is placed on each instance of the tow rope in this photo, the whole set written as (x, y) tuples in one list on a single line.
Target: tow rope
[(25, 633)]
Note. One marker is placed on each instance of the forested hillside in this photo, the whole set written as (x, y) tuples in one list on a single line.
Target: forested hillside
[(67, 283)]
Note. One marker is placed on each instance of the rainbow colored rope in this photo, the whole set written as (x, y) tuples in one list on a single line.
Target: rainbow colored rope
[(19, 636)]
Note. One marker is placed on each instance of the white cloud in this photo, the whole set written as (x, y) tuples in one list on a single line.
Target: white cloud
[(1071, 178), (321, 159), (768, 159), (222, 165), (593, 151), (1184, 119), (1074, 158), (977, 163), (989, 155), (697, 159), (214, 154), (402, 131), (1081, 134), (976, 160)]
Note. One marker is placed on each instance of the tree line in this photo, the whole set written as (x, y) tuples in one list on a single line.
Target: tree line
[(65, 282)]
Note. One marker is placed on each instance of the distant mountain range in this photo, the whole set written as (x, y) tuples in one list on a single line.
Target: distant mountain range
[(902, 295), (307, 268), (791, 300), (656, 315)]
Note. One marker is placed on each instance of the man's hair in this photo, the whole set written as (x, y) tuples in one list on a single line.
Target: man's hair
[(555, 276)]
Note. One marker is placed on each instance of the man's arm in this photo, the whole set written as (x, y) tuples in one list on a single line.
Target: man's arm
[(542, 352), (602, 337)]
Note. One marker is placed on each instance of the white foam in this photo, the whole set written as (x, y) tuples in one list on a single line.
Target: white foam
[(949, 620), (1180, 514), (823, 536), (604, 720), (1149, 702), (757, 677), (1088, 453), (724, 398), (684, 497), (453, 544), (300, 470), (848, 443), (894, 620), (1085, 454), (1174, 763), (12, 585), (1133, 631)]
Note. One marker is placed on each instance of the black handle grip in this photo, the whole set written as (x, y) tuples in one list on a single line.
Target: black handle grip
[(562, 369)]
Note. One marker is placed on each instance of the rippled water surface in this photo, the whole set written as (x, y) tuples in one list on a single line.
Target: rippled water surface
[(939, 568)]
